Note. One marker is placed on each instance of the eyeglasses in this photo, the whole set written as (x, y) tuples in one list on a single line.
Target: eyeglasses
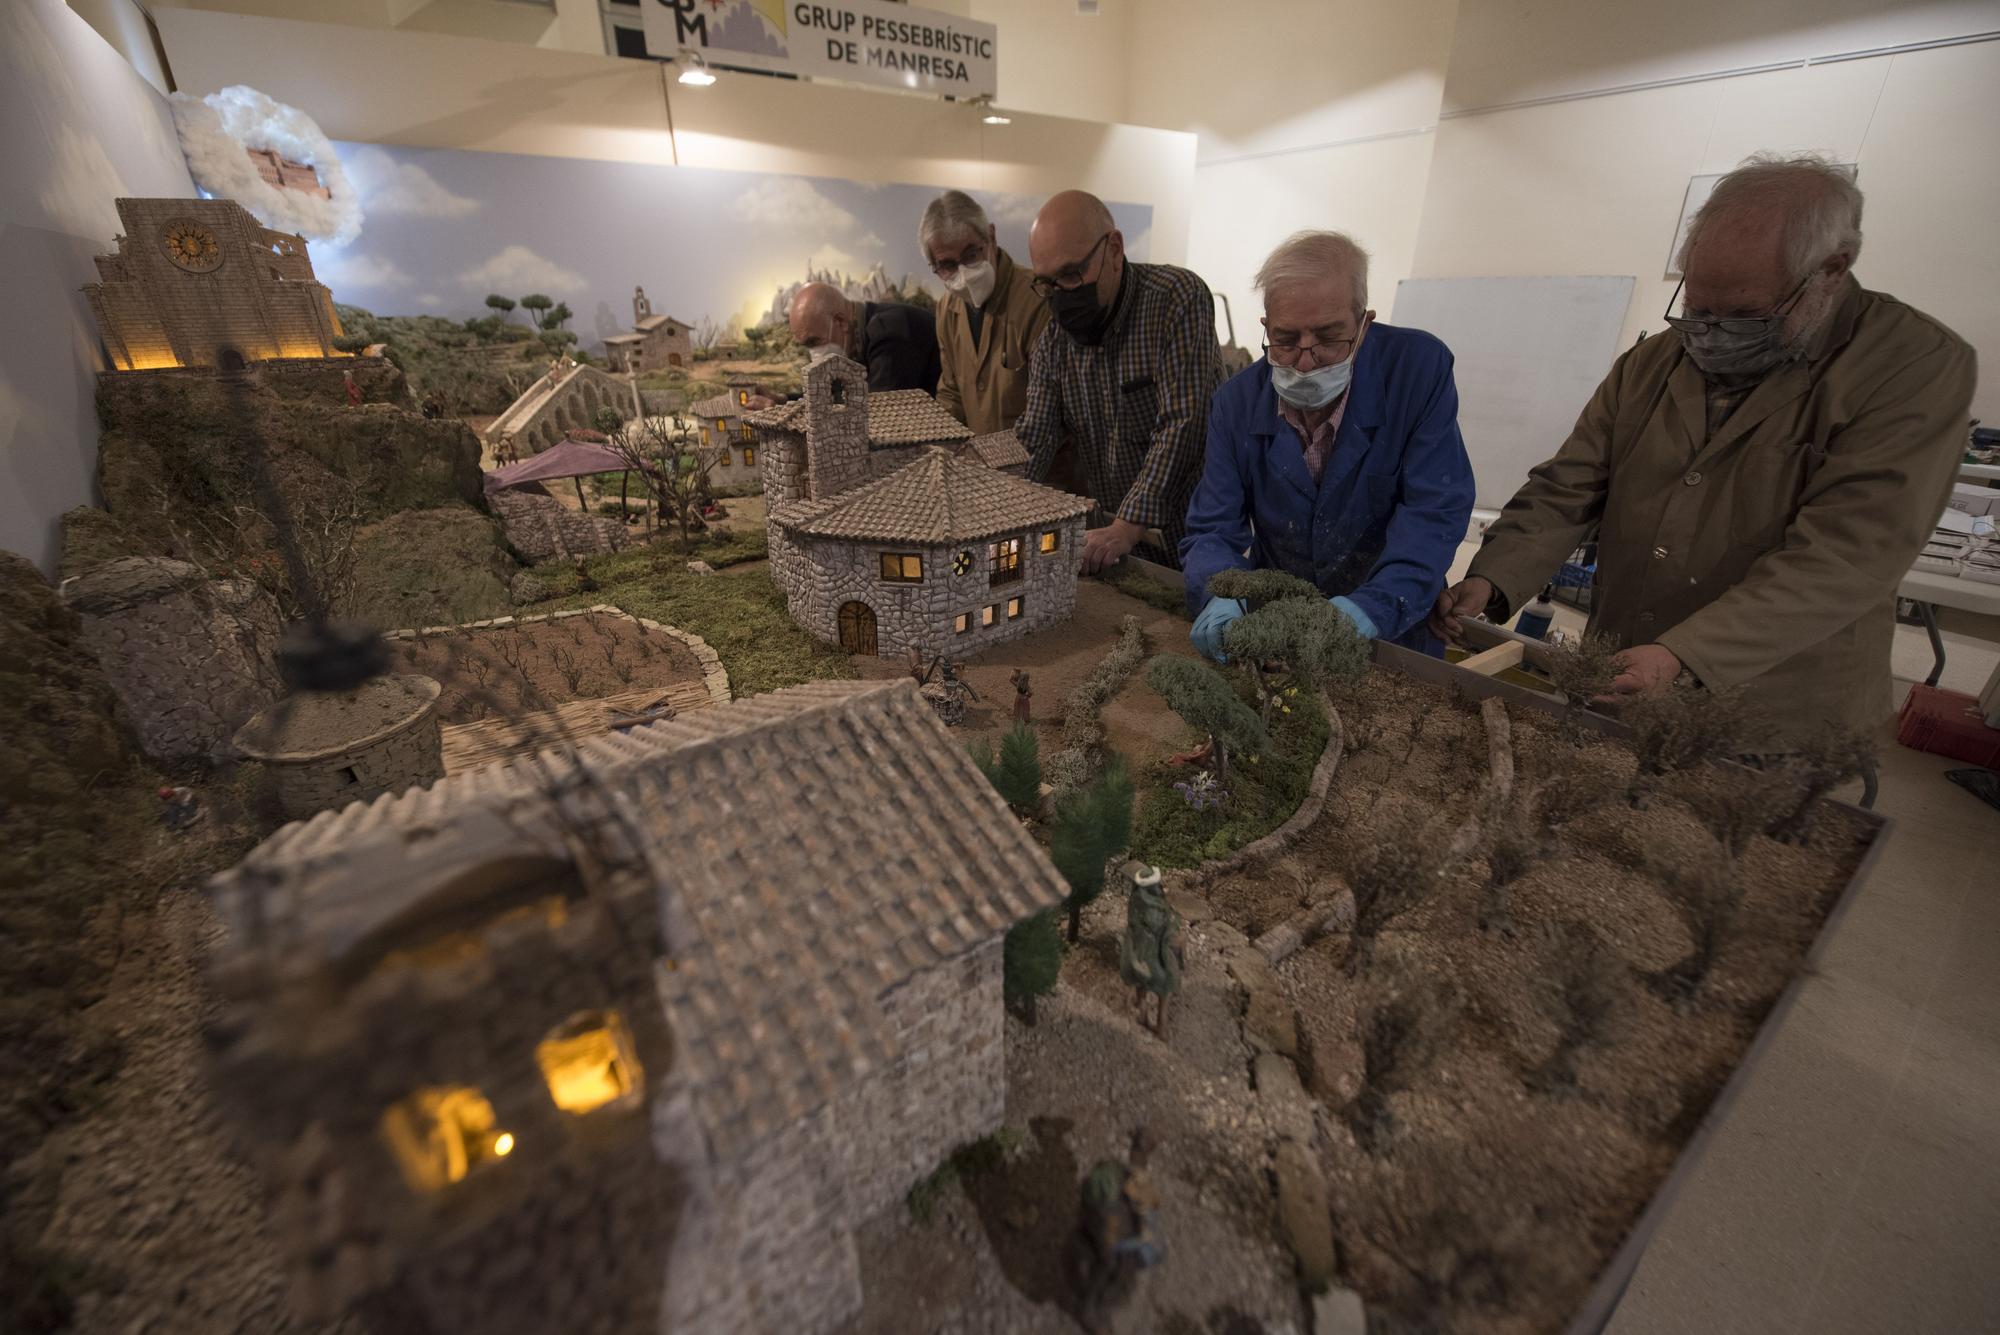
[(1070, 276), (1287, 349), (1735, 324), (972, 254)]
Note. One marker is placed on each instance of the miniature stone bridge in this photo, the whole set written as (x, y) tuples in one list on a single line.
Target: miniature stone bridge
[(562, 400)]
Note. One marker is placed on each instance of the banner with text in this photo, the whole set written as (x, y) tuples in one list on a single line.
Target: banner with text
[(863, 41)]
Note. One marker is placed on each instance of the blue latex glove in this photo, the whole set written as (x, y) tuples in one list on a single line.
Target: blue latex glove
[(1208, 627), (1363, 625)]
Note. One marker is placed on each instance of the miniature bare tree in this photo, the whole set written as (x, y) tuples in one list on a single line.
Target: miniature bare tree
[(1581, 990), (672, 459), (1827, 760), (1734, 802), (1391, 869), (1681, 727), (1515, 839), (567, 668), (1582, 668), (1703, 884), (1401, 1037)]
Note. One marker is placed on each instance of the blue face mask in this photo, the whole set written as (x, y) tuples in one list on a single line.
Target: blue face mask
[(1315, 388)]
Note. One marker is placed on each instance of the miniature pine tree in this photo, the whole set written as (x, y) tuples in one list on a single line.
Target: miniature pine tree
[(1260, 588), (1018, 775), (500, 303), (1092, 826), (535, 303), (1205, 702), (1030, 961)]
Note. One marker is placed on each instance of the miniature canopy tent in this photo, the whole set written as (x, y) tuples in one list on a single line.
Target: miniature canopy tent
[(571, 458)]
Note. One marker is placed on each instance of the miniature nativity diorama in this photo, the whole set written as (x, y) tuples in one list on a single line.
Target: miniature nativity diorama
[(573, 915)]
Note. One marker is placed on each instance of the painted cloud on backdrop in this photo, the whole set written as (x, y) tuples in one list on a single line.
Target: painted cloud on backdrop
[(518, 269), (216, 131), (402, 189)]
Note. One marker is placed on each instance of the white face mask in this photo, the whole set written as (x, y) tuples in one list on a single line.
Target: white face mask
[(974, 282), (814, 356), (1315, 388)]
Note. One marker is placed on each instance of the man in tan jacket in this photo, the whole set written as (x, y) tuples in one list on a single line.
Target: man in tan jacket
[(1759, 481), (990, 317)]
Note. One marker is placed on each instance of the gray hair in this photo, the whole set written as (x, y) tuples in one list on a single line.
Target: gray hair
[(952, 214), (1311, 257), (1817, 198)]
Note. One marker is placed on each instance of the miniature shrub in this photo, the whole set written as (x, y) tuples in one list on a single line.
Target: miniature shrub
[(1706, 891), (1681, 727), (1391, 868), (1824, 762), (1581, 991), (1031, 958), (1311, 636), (1134, 583), (1401, 1037), (972, 1159), (1207, 703), (1262, 587), (1168, 832), (1018, 772), (1581, 668)]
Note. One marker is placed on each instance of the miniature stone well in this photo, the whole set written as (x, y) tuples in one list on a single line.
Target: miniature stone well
[(192, 658), (327, 749)]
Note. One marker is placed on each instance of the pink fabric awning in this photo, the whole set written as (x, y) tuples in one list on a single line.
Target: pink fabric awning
[(570, 458)]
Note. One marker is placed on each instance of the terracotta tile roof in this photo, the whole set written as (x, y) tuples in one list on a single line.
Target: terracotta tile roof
[(725, 405), (653, 322), (848, 842), (895, 417), (623, 338), (937, 498), (996, 449), (910, 417)]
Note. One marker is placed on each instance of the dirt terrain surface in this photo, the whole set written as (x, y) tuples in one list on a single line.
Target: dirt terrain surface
[(537, 665)]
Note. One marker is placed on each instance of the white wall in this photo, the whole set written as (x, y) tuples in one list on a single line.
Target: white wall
[(436, 91), (1308, 116), (1594, 186), (82, 129)]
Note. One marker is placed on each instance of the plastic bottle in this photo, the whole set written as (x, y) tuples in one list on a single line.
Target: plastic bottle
[(1536, 617)]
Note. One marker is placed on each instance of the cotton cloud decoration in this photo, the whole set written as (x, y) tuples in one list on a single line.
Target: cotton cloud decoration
[(215, 130)]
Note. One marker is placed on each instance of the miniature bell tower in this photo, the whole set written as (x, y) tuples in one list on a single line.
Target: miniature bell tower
[(836, 435), (641, 307)]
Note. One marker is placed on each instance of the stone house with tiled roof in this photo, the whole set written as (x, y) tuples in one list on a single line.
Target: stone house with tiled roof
[(529, 1050), (654, 343), (738, 470), (884, 539)]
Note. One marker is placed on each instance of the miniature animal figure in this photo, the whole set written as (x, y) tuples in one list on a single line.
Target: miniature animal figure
[(1024, 696), (1118, 1233), (1150, 955)]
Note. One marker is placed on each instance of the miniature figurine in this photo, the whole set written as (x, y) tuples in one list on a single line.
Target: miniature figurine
[(1150, 956), (178, 807), (433, 406), (353, 389), (1118, 1233), (915, 657), (1024, 696), (941, 685)]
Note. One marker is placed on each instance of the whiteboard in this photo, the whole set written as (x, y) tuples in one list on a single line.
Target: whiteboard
[(1529, 352)]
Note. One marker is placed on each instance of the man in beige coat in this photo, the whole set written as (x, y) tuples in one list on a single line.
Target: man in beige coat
[(990, 317), (1758, 481)]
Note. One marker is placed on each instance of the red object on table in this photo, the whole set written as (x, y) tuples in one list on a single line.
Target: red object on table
[(1948, 723)]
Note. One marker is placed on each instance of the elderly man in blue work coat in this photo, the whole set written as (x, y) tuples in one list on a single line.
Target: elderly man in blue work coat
[(1337, 457)]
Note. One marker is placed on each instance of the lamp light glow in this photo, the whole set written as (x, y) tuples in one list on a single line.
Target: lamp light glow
[(694, 70)]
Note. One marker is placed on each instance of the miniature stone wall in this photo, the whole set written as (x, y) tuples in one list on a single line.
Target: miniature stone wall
[(820, 575), (540, 527), (391, 743), (770, 1244), (736, 478), (192, 658), (714, 677)]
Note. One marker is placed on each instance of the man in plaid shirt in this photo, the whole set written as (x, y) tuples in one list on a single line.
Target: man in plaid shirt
[(1121, 377)]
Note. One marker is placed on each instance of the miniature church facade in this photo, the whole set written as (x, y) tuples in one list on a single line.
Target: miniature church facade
[(201, 283), (655, 343), (881, 547)]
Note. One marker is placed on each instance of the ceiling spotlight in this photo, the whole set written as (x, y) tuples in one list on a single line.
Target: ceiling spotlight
[(988, 114), (694, 70)]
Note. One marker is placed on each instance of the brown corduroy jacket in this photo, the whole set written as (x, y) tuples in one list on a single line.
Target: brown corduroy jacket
[(1767, 556)]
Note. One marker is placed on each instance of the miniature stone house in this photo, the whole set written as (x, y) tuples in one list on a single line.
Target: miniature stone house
[(325, 749), (880, 547), (528, 1051), (656, 341), (199, 282), (739, 468), (191, 658)]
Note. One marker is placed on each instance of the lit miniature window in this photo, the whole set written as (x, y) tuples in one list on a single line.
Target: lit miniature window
[(962, 564), (440, 1135), (1050, 541), (743, 398), (724, 459), (1004, 557), (986, 615), (588, 1062), (962, 623), (749, 455), (704, 435), (902, 567), (749, 433), (1013, 608)]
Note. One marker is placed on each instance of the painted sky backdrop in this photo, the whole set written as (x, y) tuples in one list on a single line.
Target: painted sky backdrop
[(444, 227)]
